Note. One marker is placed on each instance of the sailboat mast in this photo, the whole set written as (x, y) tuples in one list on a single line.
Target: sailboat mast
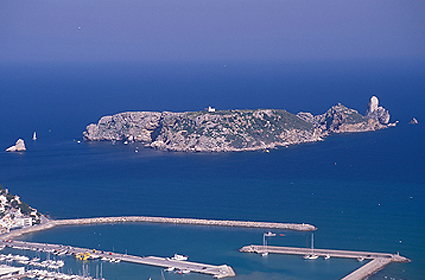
[(312, 242)]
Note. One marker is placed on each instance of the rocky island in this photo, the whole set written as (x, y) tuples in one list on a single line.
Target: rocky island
[(234, 130), (18, 147)]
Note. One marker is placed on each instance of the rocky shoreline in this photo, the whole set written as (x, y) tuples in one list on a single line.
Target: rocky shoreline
[(233, 130)]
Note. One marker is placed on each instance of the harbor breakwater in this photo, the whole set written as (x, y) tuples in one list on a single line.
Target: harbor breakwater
[(166, 220), (376, 261)]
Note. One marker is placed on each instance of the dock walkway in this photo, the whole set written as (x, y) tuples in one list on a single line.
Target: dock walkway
[(378, 260), (217, 271), (368, 269)]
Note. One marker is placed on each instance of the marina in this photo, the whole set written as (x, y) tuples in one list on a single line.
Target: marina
[(377, 261), (176, 263), (180, 265)]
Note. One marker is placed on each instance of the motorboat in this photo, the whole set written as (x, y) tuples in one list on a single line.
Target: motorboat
[(183, 271), (169, 269), (311, 257), (178, 257)]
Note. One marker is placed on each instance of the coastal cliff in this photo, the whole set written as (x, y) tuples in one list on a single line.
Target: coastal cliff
[(233, 130)]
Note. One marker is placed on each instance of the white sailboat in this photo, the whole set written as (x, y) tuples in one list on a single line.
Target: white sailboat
[(267, 234), (34, 136), (311, 256)]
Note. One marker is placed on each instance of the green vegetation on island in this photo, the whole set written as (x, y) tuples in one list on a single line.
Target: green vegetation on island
[(233, 130)]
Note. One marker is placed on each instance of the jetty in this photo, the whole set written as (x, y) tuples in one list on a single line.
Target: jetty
[(376, 261), (217, 271), (165, 220)]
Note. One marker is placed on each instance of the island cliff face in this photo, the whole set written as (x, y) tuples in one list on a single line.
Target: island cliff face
[(232, 130)]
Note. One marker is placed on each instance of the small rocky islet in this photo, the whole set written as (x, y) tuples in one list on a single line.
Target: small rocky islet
[(234, 130)]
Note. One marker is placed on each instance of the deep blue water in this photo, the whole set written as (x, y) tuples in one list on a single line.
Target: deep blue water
[(363, 191)]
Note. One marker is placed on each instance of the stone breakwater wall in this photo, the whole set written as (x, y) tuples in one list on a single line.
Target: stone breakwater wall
[(28, 230), (188, 221), (165, 220)]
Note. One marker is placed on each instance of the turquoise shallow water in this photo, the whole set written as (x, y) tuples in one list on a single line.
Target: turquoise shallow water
[(363, 191)]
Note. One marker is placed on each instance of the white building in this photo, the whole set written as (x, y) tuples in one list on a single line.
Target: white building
[(22, 222)]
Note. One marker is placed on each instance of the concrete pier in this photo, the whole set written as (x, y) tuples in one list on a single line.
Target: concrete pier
[(378, 260), (217, 271), (368, 269), (165, 220)]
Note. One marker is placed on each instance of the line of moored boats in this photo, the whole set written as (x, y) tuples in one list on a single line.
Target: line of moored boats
[(44, 274), (34, 262)]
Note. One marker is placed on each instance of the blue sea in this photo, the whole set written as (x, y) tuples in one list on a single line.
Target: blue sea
[(363, 191)]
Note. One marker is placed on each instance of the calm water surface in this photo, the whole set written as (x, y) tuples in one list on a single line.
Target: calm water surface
[(363, 191)]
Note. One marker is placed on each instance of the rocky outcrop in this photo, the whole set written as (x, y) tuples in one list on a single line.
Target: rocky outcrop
[(229, 130), (340, 119), (376, 112), (130, 126), (414, 121), (18, 147)]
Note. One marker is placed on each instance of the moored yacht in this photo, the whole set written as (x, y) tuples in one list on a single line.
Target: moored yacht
[(311, 257), (178, 257)]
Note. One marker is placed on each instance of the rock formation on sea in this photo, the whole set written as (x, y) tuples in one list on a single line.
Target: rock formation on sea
[(18, 147), (376, 112), (340, 119), (414, 121), (233, 130)]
